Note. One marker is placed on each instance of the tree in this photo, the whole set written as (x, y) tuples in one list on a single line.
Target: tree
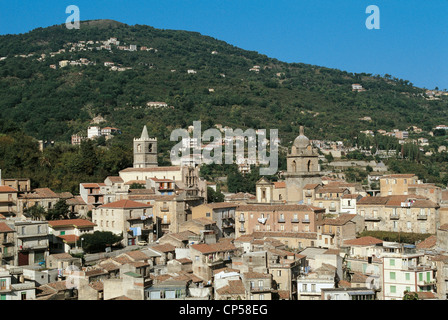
[(410, 295), (36, 212), (137, 186), (214, 196), (60, 211), (99, 240)]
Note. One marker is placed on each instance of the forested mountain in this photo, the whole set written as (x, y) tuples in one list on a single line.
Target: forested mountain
[(52, 104)]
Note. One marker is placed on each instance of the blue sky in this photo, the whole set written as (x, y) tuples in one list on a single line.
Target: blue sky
[(412, 42)]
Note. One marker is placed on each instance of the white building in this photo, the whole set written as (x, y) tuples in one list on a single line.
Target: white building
[(93, 132)]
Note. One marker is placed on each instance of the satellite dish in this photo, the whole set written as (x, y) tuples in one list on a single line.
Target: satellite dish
[(262, 220)]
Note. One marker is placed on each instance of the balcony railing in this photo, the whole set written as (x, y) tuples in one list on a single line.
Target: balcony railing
[(422, 217), (164, 209), (242, 230), (242, 219), (305, 220), (394, 217), (295, 220), (7, 254), (372, 218), (281, 220), (260, 289)]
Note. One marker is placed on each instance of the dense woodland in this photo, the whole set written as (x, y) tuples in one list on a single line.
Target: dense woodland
[(37, 102)]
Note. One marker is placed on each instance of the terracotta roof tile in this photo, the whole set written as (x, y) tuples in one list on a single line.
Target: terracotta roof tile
[(219, 205), (234, 287), (79, 223), (280, 185), (215, 247), (363, 241), (5, 189), (126, 204), (5, 228), (285, 207), (70, 238), (341, 220), (164, 248), (428, 243)]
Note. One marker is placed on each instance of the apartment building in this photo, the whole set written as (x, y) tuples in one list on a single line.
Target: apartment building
[(283, 218)]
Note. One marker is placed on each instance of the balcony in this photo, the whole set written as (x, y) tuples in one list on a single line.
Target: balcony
[(242, 219), (214, 262), (305, 220), (308, 194), (5, 289), (33, 247), (164, 209), (394, 217), (426, 283), (295, 220), (422, 217), (260, 289), (242, 230), (332, 208), (31, 234), (7, 255), (372, 218), (281, 220)]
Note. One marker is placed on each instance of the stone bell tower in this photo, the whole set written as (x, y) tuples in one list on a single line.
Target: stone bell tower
[(302, 168), (145, 151)]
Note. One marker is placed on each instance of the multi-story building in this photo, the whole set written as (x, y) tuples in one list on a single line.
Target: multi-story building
[(397, 184), (222, 213), (258, 285), (406, 272), (311, 284), (283, 218), (7, 248), (8, 201), (32, 242), (403, 213), (130, 218), (332, 232), (65, 234), (209, 257), (12, 289), (92, 194)]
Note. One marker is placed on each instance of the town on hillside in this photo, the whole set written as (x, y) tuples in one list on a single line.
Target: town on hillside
[(150, 233)]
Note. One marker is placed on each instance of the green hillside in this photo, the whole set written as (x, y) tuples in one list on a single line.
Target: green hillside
[(50, 104)]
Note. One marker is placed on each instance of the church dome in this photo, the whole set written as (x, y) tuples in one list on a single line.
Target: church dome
[(301, 141)]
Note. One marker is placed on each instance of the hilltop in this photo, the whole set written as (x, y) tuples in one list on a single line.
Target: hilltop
[(225, 87)]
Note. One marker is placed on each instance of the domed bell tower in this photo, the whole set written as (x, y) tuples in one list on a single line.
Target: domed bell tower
[(302, 168), (145, 151)]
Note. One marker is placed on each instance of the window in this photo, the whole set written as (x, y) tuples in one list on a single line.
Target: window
[(62, 233), (260, 283), (393, 289), (420, 277), (304, 287), (392, 262), (279, 273), (392, 276), (207, 214), (261, 296), (408, 276), (408, 289), (313, 288)]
